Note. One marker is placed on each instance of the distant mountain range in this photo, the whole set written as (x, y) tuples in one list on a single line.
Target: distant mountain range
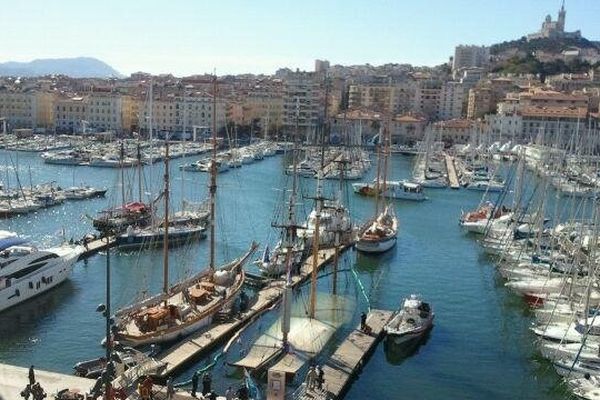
[(78, 67)]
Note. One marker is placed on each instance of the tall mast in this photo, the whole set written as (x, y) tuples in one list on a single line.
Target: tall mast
[(122, 156), (290, 237), (166, 223), (386, 150), (183, 169), (377, 183), (150, 129), (139, 162), (213, 177), (315, 255)]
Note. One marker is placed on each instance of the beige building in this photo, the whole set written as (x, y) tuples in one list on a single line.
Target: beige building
[(355, 127), (408, 128), (303, 103), (264, 104), (177, 114), (480, 102), (554, 124), (29, 109), (379, 96), (456, 131), (452, 100), (484, 97), (70, 115)]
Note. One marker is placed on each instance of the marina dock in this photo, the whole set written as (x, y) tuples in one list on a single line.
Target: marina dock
[(452, 176), (352, 354), (14, 379), (197, 344), (96, 246)]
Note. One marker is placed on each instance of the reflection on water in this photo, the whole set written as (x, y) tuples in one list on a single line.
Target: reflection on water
[(28, 315), (396, 353), (370, 263)]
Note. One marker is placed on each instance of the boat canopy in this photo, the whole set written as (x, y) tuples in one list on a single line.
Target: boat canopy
[(11, 241)]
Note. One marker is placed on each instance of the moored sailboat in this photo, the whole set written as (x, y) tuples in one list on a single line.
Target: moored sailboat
[(190, 304)]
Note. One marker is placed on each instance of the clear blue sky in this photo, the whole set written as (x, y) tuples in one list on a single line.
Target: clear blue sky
[(236, 36)]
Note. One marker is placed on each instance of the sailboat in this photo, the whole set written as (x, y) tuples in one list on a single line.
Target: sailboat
[(380, 233), (190, 304), (118, 219), (180, 232)]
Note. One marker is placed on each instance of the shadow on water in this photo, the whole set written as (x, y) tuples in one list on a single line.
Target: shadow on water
[(17, 320), (397, 353), (370, 263)]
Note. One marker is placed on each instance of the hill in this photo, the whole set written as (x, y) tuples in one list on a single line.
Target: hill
[(545, 56), (79, 67)]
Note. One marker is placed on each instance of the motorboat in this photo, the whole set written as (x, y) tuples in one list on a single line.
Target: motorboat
[(411, 321)]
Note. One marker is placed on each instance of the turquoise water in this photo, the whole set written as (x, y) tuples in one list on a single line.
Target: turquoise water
[(480, 347)]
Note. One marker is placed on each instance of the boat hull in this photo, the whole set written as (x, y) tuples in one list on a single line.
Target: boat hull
[(40, 282), (379, 246)]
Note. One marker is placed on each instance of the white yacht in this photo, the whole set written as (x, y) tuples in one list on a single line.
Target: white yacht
[(26, 271)]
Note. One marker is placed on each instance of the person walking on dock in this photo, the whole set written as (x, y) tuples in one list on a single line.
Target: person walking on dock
[(194, 383), (312, 377), (363, 321), (170, 389), (206, 383), (31, 376), (320, 377)]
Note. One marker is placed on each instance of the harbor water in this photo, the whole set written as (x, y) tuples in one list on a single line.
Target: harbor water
[(480, 347)]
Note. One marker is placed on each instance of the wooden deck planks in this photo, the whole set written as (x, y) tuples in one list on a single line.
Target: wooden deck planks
[(352, 353)]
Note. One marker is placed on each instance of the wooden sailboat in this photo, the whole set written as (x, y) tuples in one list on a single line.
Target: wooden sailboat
[(176, 232), (189, 304), (380, 233)]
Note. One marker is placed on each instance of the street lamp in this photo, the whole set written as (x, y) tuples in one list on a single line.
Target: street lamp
[(105, 310)]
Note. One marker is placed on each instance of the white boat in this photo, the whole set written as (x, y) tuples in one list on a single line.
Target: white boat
[(274, 263), (334, 219), (434, 183), (485, 186), (26, 272), (412, 320), (380, 235), (402, 190), (587, 387)]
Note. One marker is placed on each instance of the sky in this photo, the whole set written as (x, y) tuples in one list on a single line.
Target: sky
[(187, 37)]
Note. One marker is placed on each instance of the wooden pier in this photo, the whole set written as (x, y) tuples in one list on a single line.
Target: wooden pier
[(199, 343), (96, 246), (352, 354), (452, 176)]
